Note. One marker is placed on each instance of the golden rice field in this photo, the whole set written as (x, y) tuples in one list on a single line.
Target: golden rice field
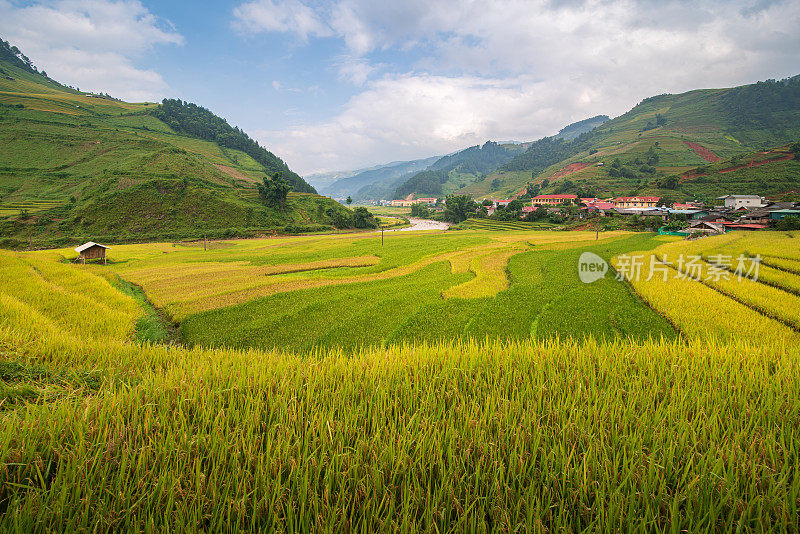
[(719, 287), (695, 433), (184, 280)]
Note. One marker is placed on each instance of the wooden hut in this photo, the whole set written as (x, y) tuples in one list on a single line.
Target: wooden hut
[(91, 251)]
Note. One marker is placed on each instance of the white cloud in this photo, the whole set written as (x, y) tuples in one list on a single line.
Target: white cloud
[(416, 115), (91, 44), (522, 69), (279, 16)]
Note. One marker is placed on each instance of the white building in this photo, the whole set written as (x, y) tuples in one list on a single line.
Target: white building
[(742, 201)]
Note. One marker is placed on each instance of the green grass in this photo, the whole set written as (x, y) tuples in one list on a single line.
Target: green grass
[(152, 326)]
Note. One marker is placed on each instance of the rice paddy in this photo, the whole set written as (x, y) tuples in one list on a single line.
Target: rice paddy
[(449, 382)]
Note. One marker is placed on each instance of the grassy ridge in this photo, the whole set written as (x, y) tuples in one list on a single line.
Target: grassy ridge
[(450, 437), (75, 167)]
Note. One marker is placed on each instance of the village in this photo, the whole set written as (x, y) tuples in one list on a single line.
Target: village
[(727, 213)]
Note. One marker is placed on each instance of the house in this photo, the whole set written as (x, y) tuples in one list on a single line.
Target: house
[(679, 206), (690, 214), (636, 202), (777, 215), (91, 251), (764, 215), (743, 226), (405, 203), (705, 227), (553, 200), (598, 206), (738, 201)]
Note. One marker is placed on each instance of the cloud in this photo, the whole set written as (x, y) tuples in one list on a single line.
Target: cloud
[(416, 115), (279, 16), (91, 44), (521, 69)]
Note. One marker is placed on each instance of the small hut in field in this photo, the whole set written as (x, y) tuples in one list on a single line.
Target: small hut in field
[(92, 251)]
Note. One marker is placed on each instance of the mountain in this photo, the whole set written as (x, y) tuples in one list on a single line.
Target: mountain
[(320, 180), (586, 125), (76, 165), (377, 182), (454, 171), (661, 138)]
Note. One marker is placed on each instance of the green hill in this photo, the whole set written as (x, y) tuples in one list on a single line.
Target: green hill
[(455, 171), (76, 165), (662, 137)]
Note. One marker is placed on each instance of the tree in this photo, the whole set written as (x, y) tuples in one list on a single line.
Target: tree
[(362, 218), (273, 191), (338, 219), (495, 184), (788, 223), (515, 206), (459, 208), (536, 215), (349, 200), (420, 210), (796, 150)]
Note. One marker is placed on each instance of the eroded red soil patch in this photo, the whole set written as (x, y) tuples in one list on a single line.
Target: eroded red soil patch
[(703, 152), (752, 163), (569, 169)]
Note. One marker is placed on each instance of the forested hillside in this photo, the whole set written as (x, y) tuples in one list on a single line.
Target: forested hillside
[(452, 171), (197, 121)]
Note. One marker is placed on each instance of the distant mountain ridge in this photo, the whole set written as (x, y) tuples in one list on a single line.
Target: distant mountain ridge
[(376, 182), (448, 171), (586, 125)]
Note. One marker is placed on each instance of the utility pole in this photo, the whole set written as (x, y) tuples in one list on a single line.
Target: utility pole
[(381, 235), (204, 242)]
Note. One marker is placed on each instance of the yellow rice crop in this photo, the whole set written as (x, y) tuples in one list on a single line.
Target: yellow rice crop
[(523, 437), (766, 299), (700, 312)]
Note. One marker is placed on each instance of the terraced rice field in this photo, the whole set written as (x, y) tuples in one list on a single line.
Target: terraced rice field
[(334, 291), (13, 208), (736, 286), (101, 433), (490, 224)]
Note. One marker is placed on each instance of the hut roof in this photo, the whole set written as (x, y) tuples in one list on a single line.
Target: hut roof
[(88, 245)]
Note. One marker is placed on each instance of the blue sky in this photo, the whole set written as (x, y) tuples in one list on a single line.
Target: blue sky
[(341, 84)]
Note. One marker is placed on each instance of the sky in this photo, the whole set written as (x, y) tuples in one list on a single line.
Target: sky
[(344, 84)]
